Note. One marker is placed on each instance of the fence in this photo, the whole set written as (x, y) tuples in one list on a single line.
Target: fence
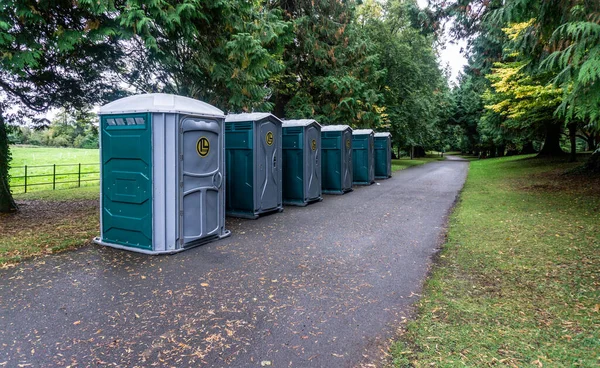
[(57, 176)]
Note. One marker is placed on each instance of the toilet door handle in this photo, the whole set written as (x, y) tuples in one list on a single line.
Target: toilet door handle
[(218, 180)]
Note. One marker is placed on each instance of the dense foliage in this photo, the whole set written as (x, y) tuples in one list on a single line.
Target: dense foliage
[(54, 54), (77, 130), (362, 63), (533, 75)]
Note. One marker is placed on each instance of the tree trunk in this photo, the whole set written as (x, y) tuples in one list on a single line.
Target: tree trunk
[(501, 150), (551, 145), (573, 140), (593, 163), (7, 203), (591, 143), (419, 151), (527, 148)]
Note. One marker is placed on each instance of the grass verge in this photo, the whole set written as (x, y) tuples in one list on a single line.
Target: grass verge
[(49, 222), (73, 194), (518, 281), (404, 163)]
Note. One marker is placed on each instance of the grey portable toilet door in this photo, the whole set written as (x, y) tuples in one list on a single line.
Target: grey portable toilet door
[(313, 162), (201, 178), (347, 157), (269, 164)]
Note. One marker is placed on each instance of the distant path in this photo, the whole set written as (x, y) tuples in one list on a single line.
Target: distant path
[(320, 286)]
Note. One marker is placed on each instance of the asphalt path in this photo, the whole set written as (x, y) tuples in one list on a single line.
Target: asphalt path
[(325, 285)]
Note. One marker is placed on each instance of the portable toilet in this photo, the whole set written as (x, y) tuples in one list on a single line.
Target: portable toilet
[(336, 162), (301, 162), (162, 173), (253, 161), (383, 155), (363, 157)]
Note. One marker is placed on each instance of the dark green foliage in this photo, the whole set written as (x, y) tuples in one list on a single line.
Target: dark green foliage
[(331, 72), (415, 89), (223, 52), (53, 53), (554, 43), (362, 63), (56, 54)]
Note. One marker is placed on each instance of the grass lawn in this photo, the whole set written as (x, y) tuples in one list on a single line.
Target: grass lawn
[(518, 281), (73, 194), (406, 162), (66, 159), (49, 221)]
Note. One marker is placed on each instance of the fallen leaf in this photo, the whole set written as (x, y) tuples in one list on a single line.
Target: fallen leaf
[(204, 284), (76, 323)]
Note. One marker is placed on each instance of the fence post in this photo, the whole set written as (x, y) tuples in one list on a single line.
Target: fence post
[(54, 177), (79, 176), (25, 178)]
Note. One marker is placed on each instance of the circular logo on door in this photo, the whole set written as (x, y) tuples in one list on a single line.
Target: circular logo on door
[(313, 144), (348, 143), (203, 147), (269, 138)]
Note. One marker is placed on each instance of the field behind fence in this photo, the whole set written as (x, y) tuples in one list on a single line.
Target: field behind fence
[(44, 168)]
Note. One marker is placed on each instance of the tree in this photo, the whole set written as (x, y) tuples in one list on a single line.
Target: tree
[(527, 103), (7, 204), (414, 88), (221, 52), (53, 54), (468, 110), (331, 71)]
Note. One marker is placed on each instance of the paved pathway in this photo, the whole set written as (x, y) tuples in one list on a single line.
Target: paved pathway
[(320, 286)]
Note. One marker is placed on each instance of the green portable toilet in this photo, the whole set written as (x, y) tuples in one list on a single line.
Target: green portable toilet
[(363, 157), (336, 162), (383, 155), (301, 162), (162, 173), (253, 161)]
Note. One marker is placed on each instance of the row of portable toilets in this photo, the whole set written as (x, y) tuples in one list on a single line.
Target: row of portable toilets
[(172, 167)]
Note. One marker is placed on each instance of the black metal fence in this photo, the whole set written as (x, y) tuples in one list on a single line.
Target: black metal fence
[(57, 176)]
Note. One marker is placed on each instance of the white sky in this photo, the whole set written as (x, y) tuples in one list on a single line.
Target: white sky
[(450, 53)]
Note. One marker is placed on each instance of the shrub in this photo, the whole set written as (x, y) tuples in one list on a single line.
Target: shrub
[(60, 141)]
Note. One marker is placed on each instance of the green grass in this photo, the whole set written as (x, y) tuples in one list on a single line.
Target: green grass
[(72, 194), (21, 239), (49, 222), (66, 159), (406, 162), (518, 281)]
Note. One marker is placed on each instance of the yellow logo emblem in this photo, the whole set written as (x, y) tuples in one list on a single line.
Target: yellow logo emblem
[(269, 138), (203, 147), (348, 143), (313, 144)]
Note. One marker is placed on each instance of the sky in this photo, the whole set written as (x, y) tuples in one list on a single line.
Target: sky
[(450, 53)]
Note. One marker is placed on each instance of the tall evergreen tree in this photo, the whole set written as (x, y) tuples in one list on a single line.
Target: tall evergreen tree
[(331, 72), (53, 54), (221, 52)]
